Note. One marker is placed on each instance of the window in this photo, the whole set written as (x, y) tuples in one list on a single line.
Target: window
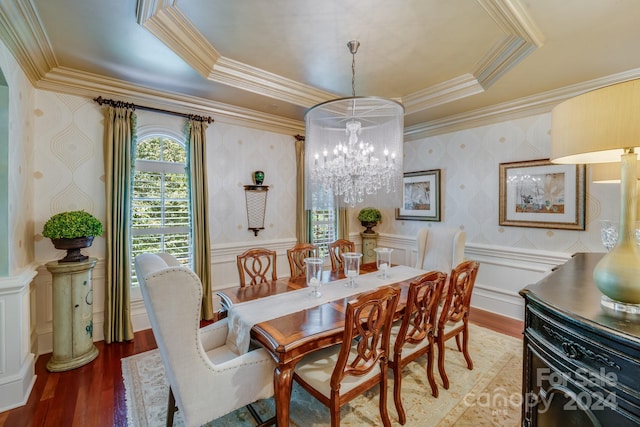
[(323, 228), (160, 200)]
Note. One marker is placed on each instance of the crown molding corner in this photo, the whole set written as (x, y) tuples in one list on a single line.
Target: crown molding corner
[(513, 19), (504, 55), (23, 34)]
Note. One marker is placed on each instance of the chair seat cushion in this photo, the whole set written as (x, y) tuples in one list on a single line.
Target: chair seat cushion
[(221, 354), (316, 370)]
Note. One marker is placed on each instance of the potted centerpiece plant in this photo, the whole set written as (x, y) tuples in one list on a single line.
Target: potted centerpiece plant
[(72, 231), (369, 217)]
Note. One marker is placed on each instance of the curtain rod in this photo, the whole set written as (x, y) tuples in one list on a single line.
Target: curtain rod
[(100, 100)]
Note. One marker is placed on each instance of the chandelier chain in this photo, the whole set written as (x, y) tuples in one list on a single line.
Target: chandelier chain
[(353, 74)]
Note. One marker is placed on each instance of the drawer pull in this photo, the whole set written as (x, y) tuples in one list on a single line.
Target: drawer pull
[(574, 350)]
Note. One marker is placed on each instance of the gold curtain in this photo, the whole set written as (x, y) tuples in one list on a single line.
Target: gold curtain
[(197, 175), (302, 215), (343, 223), (119, 151)]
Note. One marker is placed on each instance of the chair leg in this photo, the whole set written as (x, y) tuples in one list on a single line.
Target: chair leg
[(384, 413), (432, 381), (334, 409), (458, 342), (465, 347), (396, 366), (171, 408), (443, 373)]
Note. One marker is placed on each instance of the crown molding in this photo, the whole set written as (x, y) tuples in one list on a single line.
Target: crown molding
[(521, 38), (73, 82), (512, 18), (442, 93), (246, 77), (528, 106), (171, 26), (506, 54), (177, 32), (22, 32)]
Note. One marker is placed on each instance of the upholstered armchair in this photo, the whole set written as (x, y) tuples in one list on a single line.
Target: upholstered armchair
[(207, 380), (440, 248)]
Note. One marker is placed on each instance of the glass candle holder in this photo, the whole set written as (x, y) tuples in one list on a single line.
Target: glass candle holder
[(314, 275), (383, 261), (351, 267)]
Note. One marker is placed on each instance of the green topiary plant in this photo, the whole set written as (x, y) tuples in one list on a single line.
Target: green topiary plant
[(72, 224), (369, 215)]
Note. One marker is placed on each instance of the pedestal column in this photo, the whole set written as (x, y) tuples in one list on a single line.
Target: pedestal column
[(369, 243), (72, 315)]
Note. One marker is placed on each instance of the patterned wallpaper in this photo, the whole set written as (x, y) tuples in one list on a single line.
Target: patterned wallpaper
[(69, 170), (469, 161), (19, 163)]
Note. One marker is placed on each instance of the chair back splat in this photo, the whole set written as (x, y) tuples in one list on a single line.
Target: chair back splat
[(296, 256), (336, 249), (256, 266)]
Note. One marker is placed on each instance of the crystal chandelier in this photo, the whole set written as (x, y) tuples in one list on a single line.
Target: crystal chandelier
[(353, 149)]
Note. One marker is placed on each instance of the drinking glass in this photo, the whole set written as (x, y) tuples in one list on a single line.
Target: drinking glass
[(351, 267), (383, 261), (314, 275)]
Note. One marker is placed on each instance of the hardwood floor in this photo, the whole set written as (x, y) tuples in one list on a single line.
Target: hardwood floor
[(93, 395)]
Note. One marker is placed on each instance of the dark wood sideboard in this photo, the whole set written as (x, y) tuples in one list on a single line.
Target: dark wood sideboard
[(581, 363)]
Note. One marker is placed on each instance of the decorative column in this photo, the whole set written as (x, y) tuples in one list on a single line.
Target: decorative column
[(369, 243), (72, 315)]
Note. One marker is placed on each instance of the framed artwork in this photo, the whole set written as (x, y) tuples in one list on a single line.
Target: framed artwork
[(542, 194), (420, 196)]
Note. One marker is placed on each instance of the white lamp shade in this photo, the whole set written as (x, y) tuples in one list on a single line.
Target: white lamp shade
[(597, 126)]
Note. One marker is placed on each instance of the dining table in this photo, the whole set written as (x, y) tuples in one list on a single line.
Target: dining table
[(288, 338)]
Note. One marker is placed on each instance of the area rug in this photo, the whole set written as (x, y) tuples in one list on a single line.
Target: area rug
[(488, 395)]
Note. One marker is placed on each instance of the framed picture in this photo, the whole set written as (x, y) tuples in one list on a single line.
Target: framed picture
[(420, 196), (542, 194)]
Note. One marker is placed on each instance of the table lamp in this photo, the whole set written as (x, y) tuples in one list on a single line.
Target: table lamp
[(603, 126)]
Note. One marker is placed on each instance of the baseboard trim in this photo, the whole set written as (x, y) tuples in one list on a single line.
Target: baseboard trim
[(496, 322)]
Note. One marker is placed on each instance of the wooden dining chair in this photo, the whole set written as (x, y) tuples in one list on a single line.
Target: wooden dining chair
[(296, 256), (256, 264), (453, 319), (337, 374), (336, 249), (413, 336)]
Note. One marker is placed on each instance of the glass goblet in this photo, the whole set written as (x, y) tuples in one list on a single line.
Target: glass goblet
[(351, 267), (383, 261), (314, 275)]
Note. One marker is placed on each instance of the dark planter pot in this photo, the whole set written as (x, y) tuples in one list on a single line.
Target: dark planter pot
[(368, 225), (73, 246)]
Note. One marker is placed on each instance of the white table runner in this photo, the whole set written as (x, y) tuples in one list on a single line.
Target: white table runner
[(244, 315)]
